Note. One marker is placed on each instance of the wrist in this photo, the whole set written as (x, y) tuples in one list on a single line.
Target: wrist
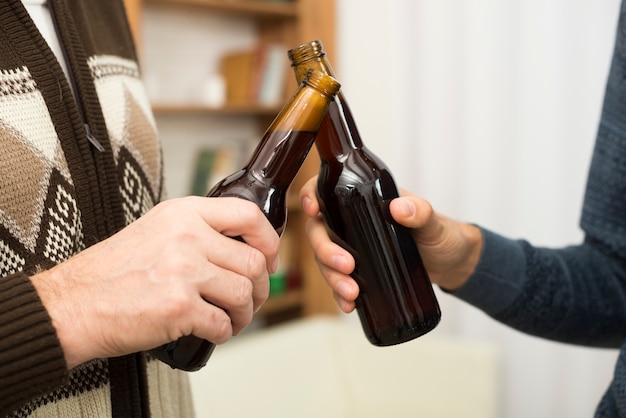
[(469, 256), (49, 286)]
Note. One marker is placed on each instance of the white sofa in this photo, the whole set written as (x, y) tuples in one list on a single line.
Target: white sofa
[(323, 367)]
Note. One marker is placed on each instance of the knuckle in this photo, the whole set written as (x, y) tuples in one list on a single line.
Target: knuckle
[(181, 210), (242, 294), (176, 305), (243, 321), (315, 233), (185, 238), (262, 298), (275, 246), (256, 265), (427, 210), (222, 327), (249, 213), (167, 206)]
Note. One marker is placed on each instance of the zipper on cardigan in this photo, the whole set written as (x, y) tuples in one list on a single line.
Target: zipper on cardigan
[(92, 139), (73, 85)]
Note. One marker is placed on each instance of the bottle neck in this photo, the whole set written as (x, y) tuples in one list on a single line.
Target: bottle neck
[(280, 156), (338, 134), (287, 141), (318, 62)]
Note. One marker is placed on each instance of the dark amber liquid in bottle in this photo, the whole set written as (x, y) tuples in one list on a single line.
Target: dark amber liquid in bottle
[(268, 189), (396, 302), (265, 180)]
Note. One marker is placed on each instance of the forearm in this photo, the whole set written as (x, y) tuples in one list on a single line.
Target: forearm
[(31, 358), (575, 294)]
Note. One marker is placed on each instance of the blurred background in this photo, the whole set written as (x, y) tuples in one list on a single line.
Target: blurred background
[(488, 108), (492, 109)]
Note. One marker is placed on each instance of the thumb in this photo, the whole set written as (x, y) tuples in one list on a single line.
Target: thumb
[(411, 211)]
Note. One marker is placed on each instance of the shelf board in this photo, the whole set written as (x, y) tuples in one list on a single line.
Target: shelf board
[(164, 109), (292, 299), (260, 8)]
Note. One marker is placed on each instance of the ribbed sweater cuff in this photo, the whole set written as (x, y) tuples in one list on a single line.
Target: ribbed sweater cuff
[(31, 358), (499, 276)]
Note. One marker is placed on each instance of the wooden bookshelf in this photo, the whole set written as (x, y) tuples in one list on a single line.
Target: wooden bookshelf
[(172, 109), (277, 304), (257, 9), (289, 23)]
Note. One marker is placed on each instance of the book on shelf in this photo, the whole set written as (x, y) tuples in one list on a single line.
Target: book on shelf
[(202, 171), (214, 163), (255, 75), (237, 69), (271, 89)]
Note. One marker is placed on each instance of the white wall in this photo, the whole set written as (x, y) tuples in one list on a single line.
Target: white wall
[(489, 109)]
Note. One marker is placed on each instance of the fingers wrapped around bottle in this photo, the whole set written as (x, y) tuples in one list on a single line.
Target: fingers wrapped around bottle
[(175, 271)]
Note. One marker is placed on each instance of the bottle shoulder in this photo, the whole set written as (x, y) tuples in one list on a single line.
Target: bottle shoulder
[(372, 158), (357, 164), (356, 176)]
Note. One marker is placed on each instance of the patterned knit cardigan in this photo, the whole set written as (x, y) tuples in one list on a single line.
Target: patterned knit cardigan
[(62, 190)]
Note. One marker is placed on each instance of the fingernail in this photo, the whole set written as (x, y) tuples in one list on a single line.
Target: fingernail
[(338, 261), (306, 201), (406, 207), (344, 289)]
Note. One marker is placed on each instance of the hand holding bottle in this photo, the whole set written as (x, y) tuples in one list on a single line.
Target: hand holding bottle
[(265, 180), (396, 302), (150, 283), (450, 249)]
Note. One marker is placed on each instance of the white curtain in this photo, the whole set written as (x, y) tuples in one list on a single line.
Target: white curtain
[(489, 109)]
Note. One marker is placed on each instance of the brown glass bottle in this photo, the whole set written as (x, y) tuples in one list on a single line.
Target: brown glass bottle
[(265, 180), (396, 301)]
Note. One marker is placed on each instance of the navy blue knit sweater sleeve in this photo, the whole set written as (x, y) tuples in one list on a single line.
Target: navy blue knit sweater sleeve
[(575, 294)]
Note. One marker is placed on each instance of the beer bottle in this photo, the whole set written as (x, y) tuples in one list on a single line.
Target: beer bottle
[(396, 302), (265, 180)]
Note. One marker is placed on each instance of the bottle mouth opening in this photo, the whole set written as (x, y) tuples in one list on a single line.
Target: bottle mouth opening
[(323, 82), (305, 52)]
